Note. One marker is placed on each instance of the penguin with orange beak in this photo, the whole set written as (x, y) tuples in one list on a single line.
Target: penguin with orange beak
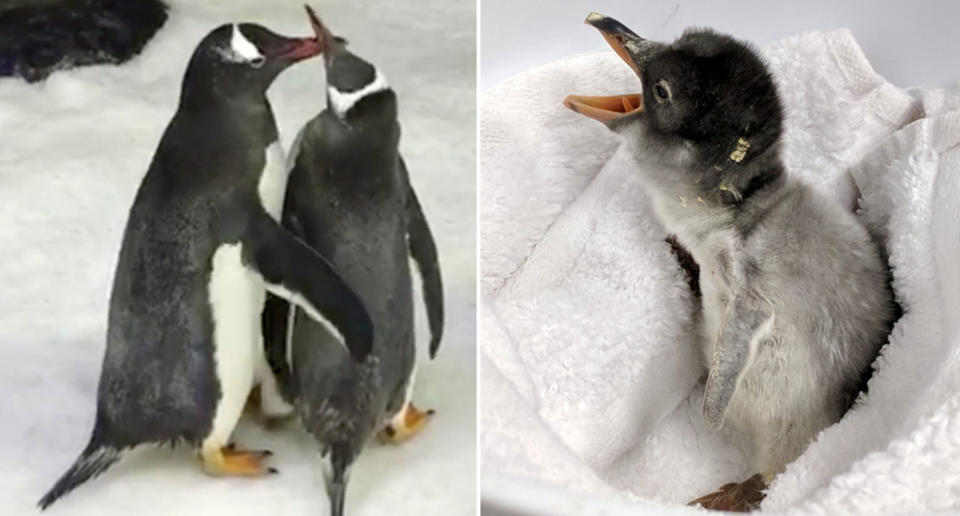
[(202, 245), (349, 197)]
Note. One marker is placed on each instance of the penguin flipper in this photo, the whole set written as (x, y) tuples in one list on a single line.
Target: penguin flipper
[(424, 251), (294, 271), (745, 325), (276, 323)]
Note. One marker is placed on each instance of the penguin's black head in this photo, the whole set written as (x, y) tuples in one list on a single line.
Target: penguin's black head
[(244, 58), (353, 84), (707, 103)]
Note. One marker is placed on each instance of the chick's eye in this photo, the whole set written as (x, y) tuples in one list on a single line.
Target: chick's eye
[(661, 91), (257, 62)]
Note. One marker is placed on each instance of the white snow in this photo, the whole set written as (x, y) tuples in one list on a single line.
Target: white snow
[(72, 152)]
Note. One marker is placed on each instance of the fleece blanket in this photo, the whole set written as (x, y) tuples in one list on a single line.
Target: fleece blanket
[(589, 378)]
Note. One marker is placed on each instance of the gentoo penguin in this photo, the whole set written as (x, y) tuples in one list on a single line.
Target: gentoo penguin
[(795, 298), (202, 242), (350, 197)]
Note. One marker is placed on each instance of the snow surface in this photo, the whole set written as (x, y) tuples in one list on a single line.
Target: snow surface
[(72, 152)]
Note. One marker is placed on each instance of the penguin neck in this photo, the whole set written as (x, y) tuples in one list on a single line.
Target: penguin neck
[(737, 184), (703, 203), (345, 97), (372, 112), (247, 109), (366, 146), (205, 86), (199, 98)]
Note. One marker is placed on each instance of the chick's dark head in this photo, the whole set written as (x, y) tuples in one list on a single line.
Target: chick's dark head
[(707, 101)]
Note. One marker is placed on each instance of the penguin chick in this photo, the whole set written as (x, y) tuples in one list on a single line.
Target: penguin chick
[(350, 197), (201, 245), (795, 297)]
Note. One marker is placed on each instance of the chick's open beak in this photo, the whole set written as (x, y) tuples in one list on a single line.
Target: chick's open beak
[(605, 109), (634, 51)]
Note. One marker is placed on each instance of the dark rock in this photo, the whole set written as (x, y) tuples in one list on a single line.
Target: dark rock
[(38, 37)]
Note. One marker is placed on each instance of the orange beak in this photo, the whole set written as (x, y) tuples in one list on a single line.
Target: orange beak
[(607, 109)]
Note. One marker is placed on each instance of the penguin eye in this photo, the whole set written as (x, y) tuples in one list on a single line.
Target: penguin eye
[(661, 91), (257, 62)]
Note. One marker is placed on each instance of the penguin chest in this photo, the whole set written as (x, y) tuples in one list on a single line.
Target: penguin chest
[(272, 184), (236, 297)]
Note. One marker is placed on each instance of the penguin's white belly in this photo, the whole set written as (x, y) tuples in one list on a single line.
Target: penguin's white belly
[(236, 296), (271, 189), (272, 185)]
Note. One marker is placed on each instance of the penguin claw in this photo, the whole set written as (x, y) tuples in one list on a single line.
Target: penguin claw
[(743, 497), (231, 461), (406, 424)]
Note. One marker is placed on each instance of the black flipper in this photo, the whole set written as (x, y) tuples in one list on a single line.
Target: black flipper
[(293, 270), (94, 460), (741, 332), (275, 323), (424, 252)]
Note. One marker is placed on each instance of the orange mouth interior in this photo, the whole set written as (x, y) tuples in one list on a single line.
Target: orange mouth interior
[(605, 109)]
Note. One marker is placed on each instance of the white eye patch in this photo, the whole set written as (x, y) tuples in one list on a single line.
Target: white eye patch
[(241, 50), (341, 102)]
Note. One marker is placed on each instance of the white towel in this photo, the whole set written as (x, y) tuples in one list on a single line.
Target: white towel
[(589, 378)]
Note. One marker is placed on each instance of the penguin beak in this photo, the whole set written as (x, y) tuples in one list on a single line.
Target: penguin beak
[(635, 51), (605, 109), (298, 49), (332, 44)]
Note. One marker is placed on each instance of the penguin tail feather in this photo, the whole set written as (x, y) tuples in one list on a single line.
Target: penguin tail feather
[(94, 460)]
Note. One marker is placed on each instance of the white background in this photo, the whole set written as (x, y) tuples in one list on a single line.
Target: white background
[(909, 43), (72, 153)]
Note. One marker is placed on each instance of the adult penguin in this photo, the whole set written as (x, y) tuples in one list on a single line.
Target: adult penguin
[(350, 197), (201, 244)]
